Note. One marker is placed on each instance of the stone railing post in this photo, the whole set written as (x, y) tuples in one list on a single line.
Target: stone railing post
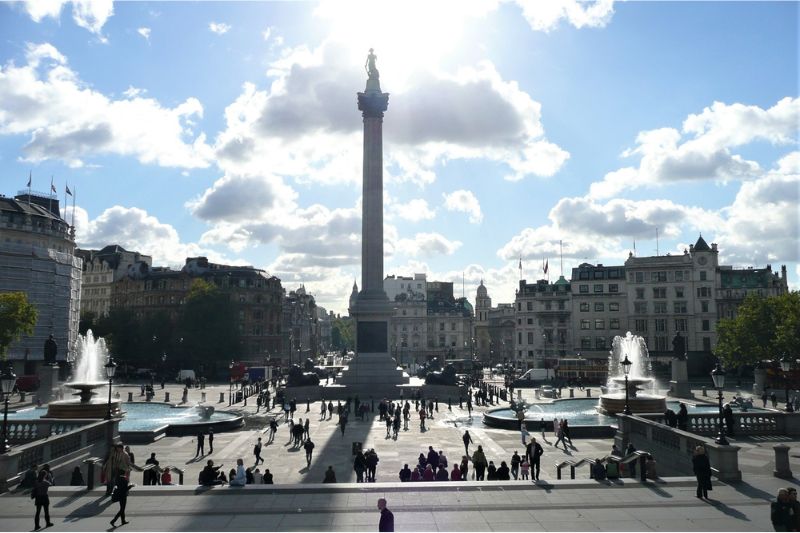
[(782, 468), (725, 459)]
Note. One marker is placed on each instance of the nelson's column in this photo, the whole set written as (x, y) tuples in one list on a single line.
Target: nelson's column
[(373, 368)]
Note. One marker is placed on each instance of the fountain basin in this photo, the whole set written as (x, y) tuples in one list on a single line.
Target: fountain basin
[(96, 408), (611, 404)]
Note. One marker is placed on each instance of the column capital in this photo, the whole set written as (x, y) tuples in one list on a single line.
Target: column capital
[(373, 104)]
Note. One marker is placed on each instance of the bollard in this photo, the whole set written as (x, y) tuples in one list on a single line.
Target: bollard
[(704, 392), (222, 398), (130, 396), (588, 393), (166, 397), (449, 405), (202, 397), (782, 469), (571, 392), (89, 473), (22, 396)]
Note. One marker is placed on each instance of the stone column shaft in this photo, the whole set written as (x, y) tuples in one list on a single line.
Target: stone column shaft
[(372, 207)]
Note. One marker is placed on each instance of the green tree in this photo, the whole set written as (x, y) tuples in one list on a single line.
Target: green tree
[(763, 329), (17, 318), (342, 334), (207, 323)]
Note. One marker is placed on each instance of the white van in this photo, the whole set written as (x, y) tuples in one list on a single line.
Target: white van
[(183, 374)]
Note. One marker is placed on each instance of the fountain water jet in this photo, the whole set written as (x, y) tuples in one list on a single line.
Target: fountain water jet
[(92, 355), (641, 373)]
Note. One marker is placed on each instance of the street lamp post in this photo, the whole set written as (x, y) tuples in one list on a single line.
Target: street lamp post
[(111, 369), (544, 348), (718, 376), (230, 384), (786, 366), (7, 381), (626, 368)]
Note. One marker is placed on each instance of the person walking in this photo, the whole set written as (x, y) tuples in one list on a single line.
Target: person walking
[(201, 441), (360, 465), (565, 427), (534, 453), (515, 462), (372, 460), (257, 452), (330, 476), (117, 460), (560, 434), (41, 499), (343, 422), (464, 467), (467, 441), (273, 428), (386, 522), (330, 409), (702, 471), (323, 410), (306, 433), (308, 446), (120, 495), (210, 441), (479, 461), (782, 512), (422, 415), (396, 425), (524, 468)]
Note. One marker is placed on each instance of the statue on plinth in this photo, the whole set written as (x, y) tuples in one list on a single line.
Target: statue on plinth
[(372, 70), (679, 347), (50, 351)]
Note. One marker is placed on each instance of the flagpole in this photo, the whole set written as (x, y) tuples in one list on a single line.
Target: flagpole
[(561, 249), (74, 194), (65, 200), (50, 202), (30, 179)]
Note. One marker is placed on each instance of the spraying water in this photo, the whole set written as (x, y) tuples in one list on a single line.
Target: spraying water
[(636, 349), (92, 355)]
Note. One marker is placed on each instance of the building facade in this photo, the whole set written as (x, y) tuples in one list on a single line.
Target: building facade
[(735, 284), (257, 298), (101, 268), (300, 327), (543, 329), (37, 257), (599, 308)]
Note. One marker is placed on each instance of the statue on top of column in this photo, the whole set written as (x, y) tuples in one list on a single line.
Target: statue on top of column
[(372, 70)]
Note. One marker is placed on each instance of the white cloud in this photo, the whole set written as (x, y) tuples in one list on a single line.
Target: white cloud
[(546, 15), (427, 244), (89, 14), (465, 202), (134, 229), (67, 120), (144, 32), (702, 151), (414, 210), (220, 28), (134, 92)]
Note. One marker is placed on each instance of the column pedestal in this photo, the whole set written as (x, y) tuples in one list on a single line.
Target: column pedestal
[(48, 383), (679, 385)]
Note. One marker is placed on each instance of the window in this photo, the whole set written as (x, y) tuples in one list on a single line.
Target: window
[(640, 294), (639, 277), (703, 292), (600, 343), (584, 288), (530, 337), (585, 324), (519, 321), (678, 292), (598, 287), (660, 308), (519, 306), (529, 306), (519, 337), (613, 323), (613, 287), (679, 275), (599, 306), (562, 336), (660, 276), (562, 305), (530, 321), (613, 306), (548, 306), (586, 343), (583, 274), (640, 308), (661, 344), (704, 306), (599, 323), (706, 325), (584, 307), (441, 326), (680, 324), (598, 274), (679, 307), (641, 325), (661, 324), (452, 326), (707, 344), (659, 292), (703, 275)]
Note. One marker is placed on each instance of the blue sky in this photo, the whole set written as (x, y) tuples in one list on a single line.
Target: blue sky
[(231, 130)]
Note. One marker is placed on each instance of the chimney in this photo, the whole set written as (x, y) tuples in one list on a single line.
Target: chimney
[(713, 247)]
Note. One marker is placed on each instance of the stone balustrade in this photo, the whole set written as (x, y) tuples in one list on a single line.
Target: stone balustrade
[(673, 448), (62, 450), (22, 431), (754, 423)]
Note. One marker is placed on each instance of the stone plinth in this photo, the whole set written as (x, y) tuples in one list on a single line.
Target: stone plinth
[(48, 383), (679, 385), (760, 380)]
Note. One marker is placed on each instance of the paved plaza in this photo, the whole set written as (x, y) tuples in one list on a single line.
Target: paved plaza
[(298, 500)]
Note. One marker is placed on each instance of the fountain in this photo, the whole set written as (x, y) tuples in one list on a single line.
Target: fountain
[(639, 377), (92, 355)]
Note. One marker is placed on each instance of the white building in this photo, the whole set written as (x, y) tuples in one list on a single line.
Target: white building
[(101, 268), (37, 257)]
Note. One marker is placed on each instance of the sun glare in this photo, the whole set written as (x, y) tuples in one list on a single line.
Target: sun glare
[(406, 36)]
